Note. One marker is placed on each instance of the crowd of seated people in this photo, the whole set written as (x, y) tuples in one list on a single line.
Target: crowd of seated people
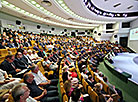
[(93, 55), (52, 51)]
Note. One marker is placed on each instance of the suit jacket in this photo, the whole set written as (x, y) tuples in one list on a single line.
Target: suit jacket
[(20, 63), (36, 48), (10, 45), (2, 47), (26, 44), (6, 66)]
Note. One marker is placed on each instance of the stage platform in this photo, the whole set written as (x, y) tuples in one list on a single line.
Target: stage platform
[(127, 62)]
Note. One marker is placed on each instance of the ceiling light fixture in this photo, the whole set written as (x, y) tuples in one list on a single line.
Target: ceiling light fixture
[(51, 15), (62, 4), (46, 2), (28, 14)]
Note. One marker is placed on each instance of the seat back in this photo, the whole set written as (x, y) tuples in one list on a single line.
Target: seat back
[(93, 95), (13, 50), (3, 52), (41, 67)]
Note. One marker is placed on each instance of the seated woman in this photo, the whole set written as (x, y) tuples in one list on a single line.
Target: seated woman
[(67, 87)]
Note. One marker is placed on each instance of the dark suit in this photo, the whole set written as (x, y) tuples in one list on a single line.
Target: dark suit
[(10, 45), (25, 59), (36, 48), (6, 66), (20, 63), (27, 44), (2, 47)]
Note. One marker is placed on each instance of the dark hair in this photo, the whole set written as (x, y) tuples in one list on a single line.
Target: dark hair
[(105, 79), (75, 95), (9, 56), (33, 67), (25, 77)]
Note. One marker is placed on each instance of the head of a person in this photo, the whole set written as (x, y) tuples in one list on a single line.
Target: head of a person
[(34, 68), (21, 45), (35, 44), (75, 95), (10, 58), (45, 58), (67, 85), (98, 87), (105, 79), (33, 51), (20, 92), (29, 52), (28, 78), (24, 52), (19, 55), (75, 82)]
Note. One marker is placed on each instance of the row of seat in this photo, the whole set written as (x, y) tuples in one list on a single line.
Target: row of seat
[(105, 86), (94, 97), (62, 90)]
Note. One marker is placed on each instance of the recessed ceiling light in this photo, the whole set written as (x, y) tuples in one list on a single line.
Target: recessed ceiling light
[(118, 4), (70, 19), (129, 7), (37, 5), (5, 2), (46, 2), (33, 2), (60, 1), (17, 8)]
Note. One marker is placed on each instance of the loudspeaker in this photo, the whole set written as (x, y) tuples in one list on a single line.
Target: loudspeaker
[(76, 30), (95, 32), (52, 29), (99, 34), (38, 26), (91, 30), (115, 36), (65, 30), (86, 30), (18, 22)]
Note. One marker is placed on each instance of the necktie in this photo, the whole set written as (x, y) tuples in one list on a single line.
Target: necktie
[(13, 65)]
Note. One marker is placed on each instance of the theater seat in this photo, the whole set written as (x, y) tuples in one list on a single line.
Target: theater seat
[(93, 95), (42, 69)]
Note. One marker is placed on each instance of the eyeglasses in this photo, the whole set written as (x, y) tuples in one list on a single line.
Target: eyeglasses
[(12, 59)]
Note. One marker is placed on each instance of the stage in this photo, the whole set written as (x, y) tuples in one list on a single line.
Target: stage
[(127, 62)]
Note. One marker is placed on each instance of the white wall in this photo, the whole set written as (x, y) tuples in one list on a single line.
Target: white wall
[(30, 26), (133, 43)]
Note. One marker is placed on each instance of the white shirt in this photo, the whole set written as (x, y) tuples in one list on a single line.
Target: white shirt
[(39, 77), (30, 99), (2, 74)]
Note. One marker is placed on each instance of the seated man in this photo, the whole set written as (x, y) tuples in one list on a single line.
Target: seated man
[(38, 93), (19, 62), (20, 93), (102, 97), (41, 80), (5, 82), (49, 65), (113, 89), (33, 57), (9, 66), (26, 58)]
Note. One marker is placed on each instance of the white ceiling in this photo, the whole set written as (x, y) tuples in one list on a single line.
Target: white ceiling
[(109, 5), (78, 7)]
